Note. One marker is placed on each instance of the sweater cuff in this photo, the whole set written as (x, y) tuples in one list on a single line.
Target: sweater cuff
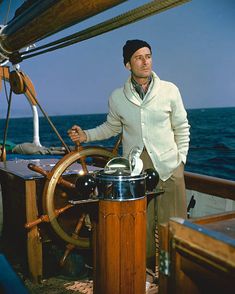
[(87, 136)]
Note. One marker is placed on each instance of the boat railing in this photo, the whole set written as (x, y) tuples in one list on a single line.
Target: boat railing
[(210, 185), (207, 195)]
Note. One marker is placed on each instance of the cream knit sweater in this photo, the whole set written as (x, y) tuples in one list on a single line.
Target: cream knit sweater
[(159, 123)]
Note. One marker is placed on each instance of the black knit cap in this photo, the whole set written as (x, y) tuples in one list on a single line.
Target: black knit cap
[(131, 47)]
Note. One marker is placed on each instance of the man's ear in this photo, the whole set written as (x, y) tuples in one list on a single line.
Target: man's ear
[(128, 66)]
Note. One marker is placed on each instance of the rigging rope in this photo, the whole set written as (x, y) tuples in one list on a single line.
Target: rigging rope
[(7, 14), (129, 17), (48, 120), (5, 86), (3, 153)]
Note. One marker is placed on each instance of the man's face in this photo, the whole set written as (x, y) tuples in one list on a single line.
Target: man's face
[(140, 63)]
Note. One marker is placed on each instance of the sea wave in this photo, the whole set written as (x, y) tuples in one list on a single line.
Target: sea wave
[(212, 139)]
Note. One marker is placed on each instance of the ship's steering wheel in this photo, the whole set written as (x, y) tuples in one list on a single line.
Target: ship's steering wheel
[(56, 178), (50, 185)]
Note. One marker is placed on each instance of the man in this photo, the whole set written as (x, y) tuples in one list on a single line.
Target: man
[(150, 114)]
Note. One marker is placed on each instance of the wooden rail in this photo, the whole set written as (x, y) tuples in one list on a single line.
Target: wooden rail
[(210, 185)]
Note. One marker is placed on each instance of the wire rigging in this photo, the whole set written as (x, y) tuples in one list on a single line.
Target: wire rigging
[(129, 17), (3, 153), (7, 14)]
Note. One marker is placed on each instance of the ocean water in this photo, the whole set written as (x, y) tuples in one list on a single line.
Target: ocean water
[(212, 141)]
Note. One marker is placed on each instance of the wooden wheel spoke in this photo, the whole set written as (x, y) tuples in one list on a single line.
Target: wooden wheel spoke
[(79, 148), (48, 175), (69, 246), (53, 178), (45, 218)]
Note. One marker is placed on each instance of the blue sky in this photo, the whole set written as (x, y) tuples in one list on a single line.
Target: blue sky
[(193, 46)]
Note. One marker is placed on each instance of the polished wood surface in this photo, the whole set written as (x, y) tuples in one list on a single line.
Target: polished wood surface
[(210, 185), (202, 256), (34, 244), (21, 193), (19, 206), (46, 19), (120, 266), (222, 223)]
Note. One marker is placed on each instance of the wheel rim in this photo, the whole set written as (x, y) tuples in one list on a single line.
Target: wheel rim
[(49, 191)]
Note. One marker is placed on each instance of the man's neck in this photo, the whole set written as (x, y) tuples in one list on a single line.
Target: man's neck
[(141, 89), (143, 82)]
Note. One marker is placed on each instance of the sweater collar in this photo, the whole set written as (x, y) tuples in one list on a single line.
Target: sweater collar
[(139, 89), (132, 95)]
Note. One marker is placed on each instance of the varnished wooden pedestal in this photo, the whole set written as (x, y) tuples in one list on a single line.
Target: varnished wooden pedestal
[(120, 251)]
